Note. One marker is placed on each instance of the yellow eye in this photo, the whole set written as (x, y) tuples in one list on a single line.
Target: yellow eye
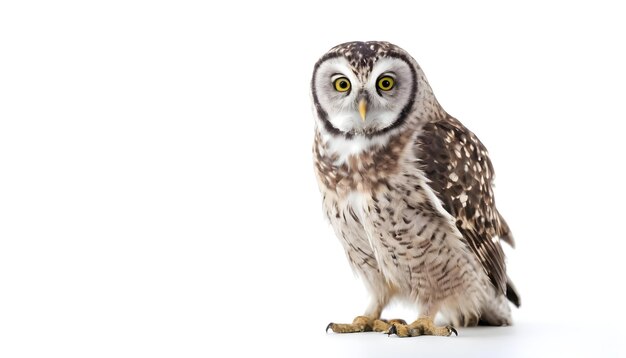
[(342, 84), (386, 83)]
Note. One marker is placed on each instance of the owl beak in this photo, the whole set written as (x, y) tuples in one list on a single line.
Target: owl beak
[(362, 108)]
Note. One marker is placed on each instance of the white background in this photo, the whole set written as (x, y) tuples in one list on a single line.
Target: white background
[(157, 196)]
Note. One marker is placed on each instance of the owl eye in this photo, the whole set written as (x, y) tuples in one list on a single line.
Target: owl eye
[(386, 83), (342, 84)]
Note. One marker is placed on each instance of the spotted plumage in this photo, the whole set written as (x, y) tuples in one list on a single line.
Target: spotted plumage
[(408, 191)]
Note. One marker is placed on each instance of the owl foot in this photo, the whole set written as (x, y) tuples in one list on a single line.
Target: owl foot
[(422, 327), (364, 324)]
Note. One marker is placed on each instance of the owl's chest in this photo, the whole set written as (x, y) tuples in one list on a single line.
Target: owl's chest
[(391, 230), (348, 212), (351, 181), (346, 170), (372, 198), (391, 211)]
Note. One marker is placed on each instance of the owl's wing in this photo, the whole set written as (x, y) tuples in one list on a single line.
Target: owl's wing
[(461, 174)]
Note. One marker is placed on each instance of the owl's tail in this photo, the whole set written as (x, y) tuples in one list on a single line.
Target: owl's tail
[(505, 234), (511, 293)]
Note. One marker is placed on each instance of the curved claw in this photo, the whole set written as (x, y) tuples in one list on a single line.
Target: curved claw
[(392, 330), (329, 325), (452, 330)]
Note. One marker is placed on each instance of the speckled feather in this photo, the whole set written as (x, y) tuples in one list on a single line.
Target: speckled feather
[(462, 175)]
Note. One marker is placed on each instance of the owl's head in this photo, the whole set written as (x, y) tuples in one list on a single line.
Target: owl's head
[(367, 89)]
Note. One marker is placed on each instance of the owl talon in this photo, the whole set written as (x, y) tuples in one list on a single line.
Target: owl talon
[(452, 330), (392, 330), (328, 327)]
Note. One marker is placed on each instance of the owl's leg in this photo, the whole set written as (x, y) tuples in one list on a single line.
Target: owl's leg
[(423, 326), (370, 321), (364, 324), (375, 309)]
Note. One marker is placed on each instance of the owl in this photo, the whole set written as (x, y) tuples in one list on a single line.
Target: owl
[(408, 191)]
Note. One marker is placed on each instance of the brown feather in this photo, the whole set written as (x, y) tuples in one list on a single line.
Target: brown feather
[(461, 174)]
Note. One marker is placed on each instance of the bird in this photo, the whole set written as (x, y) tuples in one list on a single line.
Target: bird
[(408, 191)]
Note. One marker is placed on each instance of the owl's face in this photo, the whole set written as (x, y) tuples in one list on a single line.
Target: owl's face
[(364, 88)]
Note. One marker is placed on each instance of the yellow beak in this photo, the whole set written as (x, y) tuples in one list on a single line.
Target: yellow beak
[(362, 108)]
